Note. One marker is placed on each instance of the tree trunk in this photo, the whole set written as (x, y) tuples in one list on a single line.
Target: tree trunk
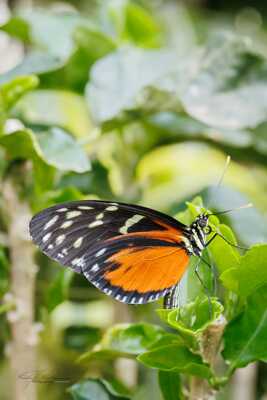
[(23, 272)]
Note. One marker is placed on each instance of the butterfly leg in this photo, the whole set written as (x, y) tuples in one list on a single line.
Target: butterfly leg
[(206, 289)]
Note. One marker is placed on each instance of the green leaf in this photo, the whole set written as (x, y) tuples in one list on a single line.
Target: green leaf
[(126, 340), (96, 389), (17, 27), (95, 43), (175, 358), (140, 27), (62, 151), (170, 385), (58, 291), (116, 86), (55, 107), (193, 319), (12, 91), (250, 274), (127, 21), (35, 62), (227, 79), (44, 26), (245, 336)]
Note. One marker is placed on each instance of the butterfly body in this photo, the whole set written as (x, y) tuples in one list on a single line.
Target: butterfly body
[(132, 253)]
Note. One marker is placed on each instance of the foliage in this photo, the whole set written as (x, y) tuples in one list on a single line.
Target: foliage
[(115, 108)]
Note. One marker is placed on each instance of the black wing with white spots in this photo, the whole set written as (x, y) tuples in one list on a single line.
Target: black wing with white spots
[(88, 235)]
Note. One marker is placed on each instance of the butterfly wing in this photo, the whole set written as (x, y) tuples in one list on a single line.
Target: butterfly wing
[(132, 253)]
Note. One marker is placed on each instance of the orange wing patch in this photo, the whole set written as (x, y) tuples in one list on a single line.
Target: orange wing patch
[(145, 270)]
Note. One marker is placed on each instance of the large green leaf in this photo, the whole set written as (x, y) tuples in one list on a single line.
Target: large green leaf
[(176, 358), (170, 385), (116, 86), (96, 389), (126, 340), (55, 107), (229, 86), (250, 274), (245, 336)]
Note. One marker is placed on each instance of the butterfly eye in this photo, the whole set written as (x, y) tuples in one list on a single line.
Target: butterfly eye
[(207, 230)]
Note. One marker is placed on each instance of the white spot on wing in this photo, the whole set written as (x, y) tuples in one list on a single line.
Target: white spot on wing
[(51, 222), (130, 222), (85, 208), (100, 252), (65, 251), (112, 208), (50, 247), (73, 214), (95, 268), (79, 262), (46, 237), (78, 242), (66, 224), (60, 239), (63, 209), (100, 216), (95, 223)]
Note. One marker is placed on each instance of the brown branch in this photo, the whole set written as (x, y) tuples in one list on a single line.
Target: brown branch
[(209, 344), (23, 272)]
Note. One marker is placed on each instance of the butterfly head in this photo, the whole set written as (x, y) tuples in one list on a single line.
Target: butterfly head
[(202, 222), (198, 231)]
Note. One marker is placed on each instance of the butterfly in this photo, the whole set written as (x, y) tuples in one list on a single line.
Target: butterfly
[(132, 253)]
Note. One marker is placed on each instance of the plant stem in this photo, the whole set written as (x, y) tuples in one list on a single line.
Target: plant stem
[(210, 343), (23, 271)]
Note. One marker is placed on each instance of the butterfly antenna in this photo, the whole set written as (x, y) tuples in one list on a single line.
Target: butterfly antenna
[(226, 165), (249, 205)]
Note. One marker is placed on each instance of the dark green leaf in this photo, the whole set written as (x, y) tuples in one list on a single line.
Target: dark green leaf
[(170, 385), (4, 272), (245, 336), (96, 389), (175, 358), (58, 291), (81, 337)]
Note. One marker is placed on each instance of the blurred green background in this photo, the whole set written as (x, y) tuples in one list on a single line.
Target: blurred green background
[(138, 101)]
